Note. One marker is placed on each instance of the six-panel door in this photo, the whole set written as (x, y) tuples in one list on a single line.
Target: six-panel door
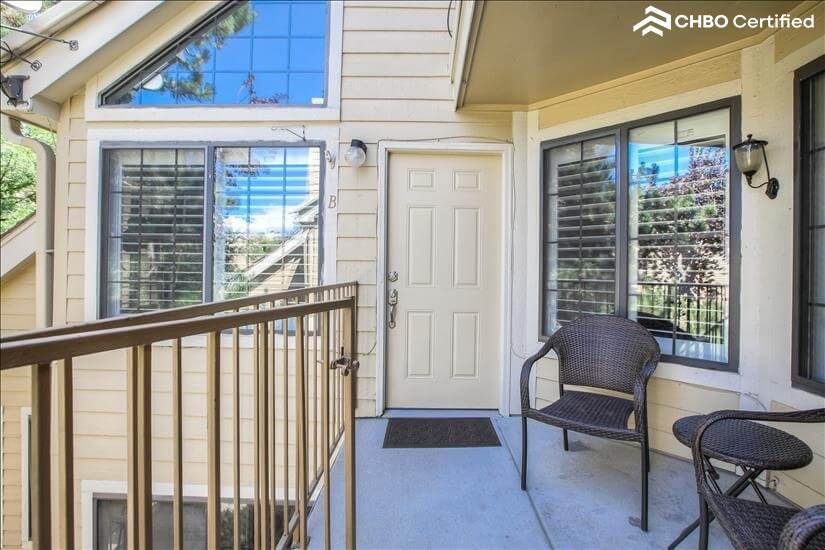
[(444, 243)]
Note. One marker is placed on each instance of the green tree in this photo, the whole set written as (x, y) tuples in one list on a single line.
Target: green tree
[(18, 174), (13, 17)]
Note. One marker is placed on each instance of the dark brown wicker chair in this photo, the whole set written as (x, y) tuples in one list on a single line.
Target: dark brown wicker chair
[(598, 351), (756, 525)]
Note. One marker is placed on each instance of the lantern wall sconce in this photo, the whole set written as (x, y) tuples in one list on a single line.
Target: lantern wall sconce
[(356, 155), (749, 156)]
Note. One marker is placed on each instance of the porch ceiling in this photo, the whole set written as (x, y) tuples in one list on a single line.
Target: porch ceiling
[(527, 51)]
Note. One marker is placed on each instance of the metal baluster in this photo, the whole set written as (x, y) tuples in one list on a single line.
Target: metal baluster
[(177, 444), (301, 431), (144, 446), (65, 431), (213, 430), (40, 476)]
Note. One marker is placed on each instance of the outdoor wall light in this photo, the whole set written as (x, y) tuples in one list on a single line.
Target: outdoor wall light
[(749, 156), (356, 155)]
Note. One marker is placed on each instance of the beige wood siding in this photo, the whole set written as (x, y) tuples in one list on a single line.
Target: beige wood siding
[(70, 212), (16, 315), (395, 85), (17, 291), (805, 486)]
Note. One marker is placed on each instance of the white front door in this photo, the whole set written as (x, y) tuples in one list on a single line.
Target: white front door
[(444, 253)]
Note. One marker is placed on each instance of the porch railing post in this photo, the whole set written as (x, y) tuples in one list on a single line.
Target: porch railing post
[(213, 429), (65, 431), (325, 342), (263, 434), (40, 476), (144, 446), (177, 444), (301, 430), (236, 439), (132, 534)]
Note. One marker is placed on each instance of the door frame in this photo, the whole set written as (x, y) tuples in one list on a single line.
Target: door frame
[(505, 153)]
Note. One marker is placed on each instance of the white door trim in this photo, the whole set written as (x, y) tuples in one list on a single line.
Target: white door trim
[(505, 150)]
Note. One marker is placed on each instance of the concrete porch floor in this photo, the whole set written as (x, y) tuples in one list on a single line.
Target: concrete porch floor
[(587, 498)]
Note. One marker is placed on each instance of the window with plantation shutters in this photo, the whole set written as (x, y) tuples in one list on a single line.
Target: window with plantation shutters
[(191, 224), (809, 322), (155, 229), (579, 230), (639, 223)]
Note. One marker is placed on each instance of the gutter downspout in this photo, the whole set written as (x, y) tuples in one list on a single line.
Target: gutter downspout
[(44, 219)]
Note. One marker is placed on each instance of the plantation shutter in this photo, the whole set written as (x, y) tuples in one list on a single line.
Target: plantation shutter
[(579, 231), (155, 229)]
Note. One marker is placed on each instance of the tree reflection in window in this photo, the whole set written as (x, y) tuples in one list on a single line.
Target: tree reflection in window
[(258, 52)]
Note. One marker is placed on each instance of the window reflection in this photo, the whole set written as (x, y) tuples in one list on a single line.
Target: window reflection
[(266, 219), (259, 52), (679, 234)]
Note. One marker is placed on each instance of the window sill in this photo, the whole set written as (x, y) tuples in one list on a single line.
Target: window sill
[(214, 113), (812, 387), (669, 369), (712, 378)]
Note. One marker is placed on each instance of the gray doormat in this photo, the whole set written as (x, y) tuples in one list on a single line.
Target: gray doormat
[(427, 433)]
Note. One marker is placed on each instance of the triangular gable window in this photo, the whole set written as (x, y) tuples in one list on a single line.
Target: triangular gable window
[(245, 53)]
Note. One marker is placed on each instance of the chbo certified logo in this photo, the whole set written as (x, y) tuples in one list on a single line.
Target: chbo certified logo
[(655, 18), (657, 21)]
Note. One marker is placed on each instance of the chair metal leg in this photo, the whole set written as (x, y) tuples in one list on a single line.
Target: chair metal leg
[(645, 469), (523, 453), (733, 491), (564, 436), (704, 523), (647, 453), (646, 441)]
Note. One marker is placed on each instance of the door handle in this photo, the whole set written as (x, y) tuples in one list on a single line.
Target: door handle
[(393, 303)]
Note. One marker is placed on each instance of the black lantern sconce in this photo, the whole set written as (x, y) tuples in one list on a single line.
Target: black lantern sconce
[(749, 156)]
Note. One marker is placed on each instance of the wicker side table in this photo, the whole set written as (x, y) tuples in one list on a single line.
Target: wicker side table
[(752, 446)]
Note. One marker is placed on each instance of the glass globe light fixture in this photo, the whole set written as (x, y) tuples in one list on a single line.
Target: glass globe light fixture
[(356, 155)]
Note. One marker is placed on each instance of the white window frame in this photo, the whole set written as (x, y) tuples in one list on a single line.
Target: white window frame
[(25, 443), (214, 113)]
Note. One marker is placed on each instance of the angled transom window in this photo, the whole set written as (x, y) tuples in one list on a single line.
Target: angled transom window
[(247, 53)]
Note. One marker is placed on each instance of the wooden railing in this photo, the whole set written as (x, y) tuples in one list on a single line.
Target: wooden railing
[(318, 369)]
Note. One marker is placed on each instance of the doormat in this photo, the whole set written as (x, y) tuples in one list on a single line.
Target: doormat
[(429, 433)]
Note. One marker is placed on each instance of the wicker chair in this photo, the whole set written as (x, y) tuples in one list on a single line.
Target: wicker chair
[(756, 525), (598, 351)]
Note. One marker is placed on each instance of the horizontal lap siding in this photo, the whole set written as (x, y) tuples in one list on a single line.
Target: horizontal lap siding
[(70, 214), (395, 86), (17, 295), (805, 486), (17, 307)]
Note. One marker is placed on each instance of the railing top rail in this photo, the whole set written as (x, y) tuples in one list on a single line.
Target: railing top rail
[(172, 314), (53, 348)]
